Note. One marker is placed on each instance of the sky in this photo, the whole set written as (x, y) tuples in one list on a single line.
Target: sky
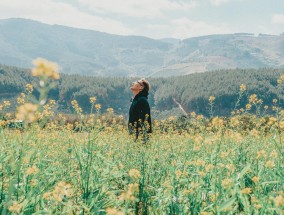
[(155, 19)]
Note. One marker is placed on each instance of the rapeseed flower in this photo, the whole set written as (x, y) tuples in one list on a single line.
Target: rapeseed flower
[(27, 112), (45, 68), (243, 87), (15, 207), (134, 173)]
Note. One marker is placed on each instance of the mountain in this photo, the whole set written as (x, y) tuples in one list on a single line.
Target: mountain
[(89, 52)]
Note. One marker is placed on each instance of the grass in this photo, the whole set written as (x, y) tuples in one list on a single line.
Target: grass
[(61, 172)]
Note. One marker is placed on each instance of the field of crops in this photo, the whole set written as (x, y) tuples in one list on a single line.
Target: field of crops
[(50, 164)]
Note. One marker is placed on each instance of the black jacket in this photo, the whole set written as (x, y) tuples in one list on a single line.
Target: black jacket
[(139, 114)]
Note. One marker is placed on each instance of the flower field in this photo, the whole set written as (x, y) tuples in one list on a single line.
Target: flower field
[(91, 165)]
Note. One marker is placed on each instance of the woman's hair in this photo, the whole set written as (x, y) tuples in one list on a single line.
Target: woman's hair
[(146, 84)]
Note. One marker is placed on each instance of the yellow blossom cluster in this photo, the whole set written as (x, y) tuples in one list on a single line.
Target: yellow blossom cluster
[(44, 68), (109, 110), (279, 201), (62, 190), (226, 183), (7, 103), (246, 190), (32, 170), (281, 79), (129, 194), (211, 99), (98, 106), (21, 99), (75, 105), (134, 173), (243, 87), (217, 122), (29, 88), (93, 100), (253, 99), (27, 112), (114, 211), (15, 207)]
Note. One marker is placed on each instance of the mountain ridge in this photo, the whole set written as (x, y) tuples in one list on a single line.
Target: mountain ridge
[(89, 52)]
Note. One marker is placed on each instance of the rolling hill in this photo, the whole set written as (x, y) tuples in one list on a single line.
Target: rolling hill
[(89, 52)]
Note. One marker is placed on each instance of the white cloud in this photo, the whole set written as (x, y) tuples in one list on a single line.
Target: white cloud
[(51, 12), (137, 8), (278, 19), (185, 28), (218, 2)]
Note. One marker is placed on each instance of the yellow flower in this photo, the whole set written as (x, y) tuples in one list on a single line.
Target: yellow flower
[(178, 173), (15, 207), (243, 87), (33, 182), (193, 114), (93, 99), (98, 106), (211, 99), (109, 110), (272, 120), (253, 98), (32, 170), (217, 122), (248, 106), (129, 194), (113, 211), (227, 183), (274, 154), (46, 195), (199, 117), (134, 173), (29, 88), (61, 190), (45, 68), (7, 103), (255, 179), (52, 102), (26, 112), (234, 122), (21, 99), (260, 154), (246, 190), (206, 213), (279, 201), (270, 164), (280, 81)]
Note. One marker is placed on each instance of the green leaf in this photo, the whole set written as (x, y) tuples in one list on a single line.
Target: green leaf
[(227, 204), (244, 171)]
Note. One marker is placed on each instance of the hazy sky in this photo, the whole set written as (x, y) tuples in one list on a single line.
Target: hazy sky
[(155, 18)]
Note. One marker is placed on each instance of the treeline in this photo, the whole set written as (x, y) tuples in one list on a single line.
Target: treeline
[(190, 91)]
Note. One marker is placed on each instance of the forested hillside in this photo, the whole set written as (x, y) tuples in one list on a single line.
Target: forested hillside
[(191, 91)]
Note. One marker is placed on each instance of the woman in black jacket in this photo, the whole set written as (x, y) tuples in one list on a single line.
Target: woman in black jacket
[(139, 122)]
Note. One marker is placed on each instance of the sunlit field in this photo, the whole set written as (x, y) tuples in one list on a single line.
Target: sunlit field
[(53, 163)]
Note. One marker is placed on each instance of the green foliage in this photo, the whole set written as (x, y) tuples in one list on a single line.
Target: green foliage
[(191, 91)]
